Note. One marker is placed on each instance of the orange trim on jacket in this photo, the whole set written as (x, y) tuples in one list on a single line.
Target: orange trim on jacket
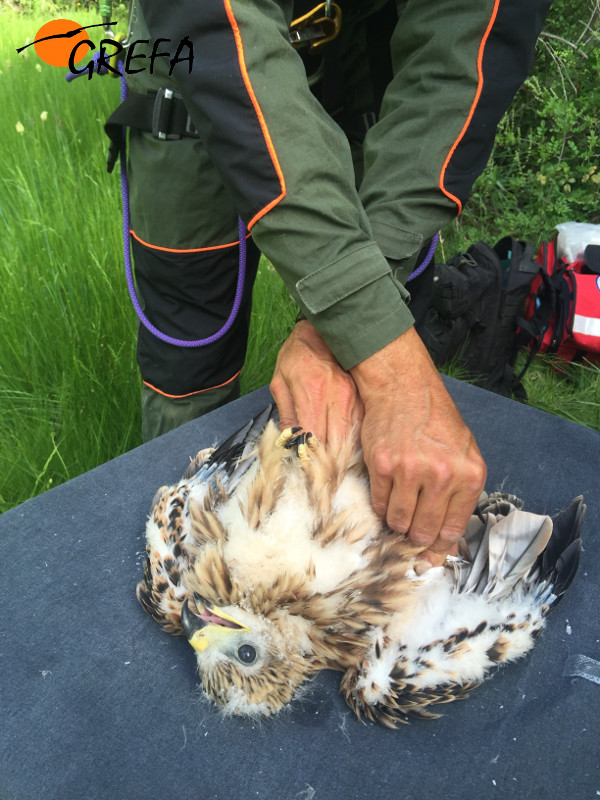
[(186, 250), (473, 106), (263, 125), (190, 394)]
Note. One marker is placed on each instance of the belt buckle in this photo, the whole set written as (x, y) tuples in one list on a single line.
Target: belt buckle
[(161, 115)]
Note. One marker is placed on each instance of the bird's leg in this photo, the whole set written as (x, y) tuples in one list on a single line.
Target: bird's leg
[(301, 441)]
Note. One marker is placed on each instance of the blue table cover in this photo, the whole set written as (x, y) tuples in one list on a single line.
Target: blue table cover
[(96, 701)]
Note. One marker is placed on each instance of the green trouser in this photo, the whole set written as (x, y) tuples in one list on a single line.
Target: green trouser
[(162, 414), (180, 210), (269, 152)]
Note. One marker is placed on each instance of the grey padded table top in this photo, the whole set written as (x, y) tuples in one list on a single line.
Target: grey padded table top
[(97, 702)]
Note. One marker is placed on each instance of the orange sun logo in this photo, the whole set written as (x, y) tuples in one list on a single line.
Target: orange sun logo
[(59, 37)]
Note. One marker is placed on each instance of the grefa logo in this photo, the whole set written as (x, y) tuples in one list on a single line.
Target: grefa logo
[(65, 43)]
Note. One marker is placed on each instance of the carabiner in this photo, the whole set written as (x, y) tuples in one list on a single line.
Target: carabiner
[(318, 27)]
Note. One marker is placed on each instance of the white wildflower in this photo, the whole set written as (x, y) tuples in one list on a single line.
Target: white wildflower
[(20, 127), (38, 67), (44, 116)]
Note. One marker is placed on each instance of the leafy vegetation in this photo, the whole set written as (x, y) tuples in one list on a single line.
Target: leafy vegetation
[(545, 165)]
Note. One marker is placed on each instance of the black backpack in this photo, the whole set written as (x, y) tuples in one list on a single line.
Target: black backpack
[(470, 316)]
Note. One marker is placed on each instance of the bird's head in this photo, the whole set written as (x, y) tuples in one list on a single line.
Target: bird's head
[(251, 664)]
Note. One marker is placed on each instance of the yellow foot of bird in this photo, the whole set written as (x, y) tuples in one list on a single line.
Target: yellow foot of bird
[(295, 438)]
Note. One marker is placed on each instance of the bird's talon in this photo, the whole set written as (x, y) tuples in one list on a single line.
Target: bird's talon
[(286, 435), (301, 441), (295, 441)]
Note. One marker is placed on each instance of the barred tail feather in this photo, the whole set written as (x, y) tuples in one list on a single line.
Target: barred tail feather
[(504, 546), (558, 564)]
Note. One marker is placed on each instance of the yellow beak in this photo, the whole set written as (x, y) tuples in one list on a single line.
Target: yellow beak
[(209, 625)]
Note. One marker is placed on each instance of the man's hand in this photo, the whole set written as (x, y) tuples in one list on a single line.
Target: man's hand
[(311, 389), (425, 467)]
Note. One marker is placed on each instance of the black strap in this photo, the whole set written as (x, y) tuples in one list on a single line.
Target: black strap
[(563, 306), (571, 301), (554, 299), (162, 113), (331, 90), (380, 27), (331, 93), (530, 334), (504, 381)]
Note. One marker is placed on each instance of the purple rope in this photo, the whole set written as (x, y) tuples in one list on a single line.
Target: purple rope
[(239, 290), (426, 260)]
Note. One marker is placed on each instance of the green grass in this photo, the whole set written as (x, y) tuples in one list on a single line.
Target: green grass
[(571, 391), (69, 385), (67, 381)]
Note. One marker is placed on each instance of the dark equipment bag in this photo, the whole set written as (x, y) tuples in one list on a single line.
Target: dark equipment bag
[(486, 305), (476, 300)]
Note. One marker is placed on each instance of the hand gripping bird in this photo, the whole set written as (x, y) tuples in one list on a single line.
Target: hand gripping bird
[(268, 557)]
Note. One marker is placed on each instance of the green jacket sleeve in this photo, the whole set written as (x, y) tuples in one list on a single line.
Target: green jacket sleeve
[(287, 166)]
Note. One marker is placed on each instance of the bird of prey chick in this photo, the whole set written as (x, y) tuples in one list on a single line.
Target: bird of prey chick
[(268, 557)]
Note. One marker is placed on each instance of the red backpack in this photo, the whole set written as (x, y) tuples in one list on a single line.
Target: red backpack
[(562, 310)]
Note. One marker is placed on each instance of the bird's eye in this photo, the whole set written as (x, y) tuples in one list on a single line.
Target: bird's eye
[(247, 654)]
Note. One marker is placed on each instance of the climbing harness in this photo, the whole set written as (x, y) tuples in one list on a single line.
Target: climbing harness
[(163, 114)]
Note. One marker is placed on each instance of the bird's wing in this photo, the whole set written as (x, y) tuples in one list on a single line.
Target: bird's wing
[(403, 700), (227, 464), (181, 523), (486, 609)]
